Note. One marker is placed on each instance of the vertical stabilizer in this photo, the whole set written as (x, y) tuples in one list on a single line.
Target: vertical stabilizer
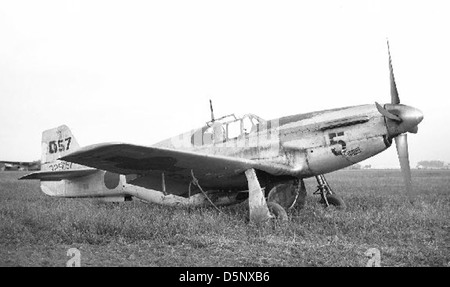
[(56, 143)]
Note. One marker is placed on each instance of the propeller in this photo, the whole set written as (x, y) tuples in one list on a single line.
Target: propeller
[(394, 92), (388, 114), (400, 119), (401, 143)]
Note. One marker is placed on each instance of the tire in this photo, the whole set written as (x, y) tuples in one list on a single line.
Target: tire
[(336, 201), (277, 211), (285, 194)]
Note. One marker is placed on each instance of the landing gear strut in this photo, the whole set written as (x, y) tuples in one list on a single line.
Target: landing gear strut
[(328, 196)]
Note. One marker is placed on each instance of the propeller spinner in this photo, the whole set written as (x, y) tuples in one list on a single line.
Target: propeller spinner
[(400, 119)]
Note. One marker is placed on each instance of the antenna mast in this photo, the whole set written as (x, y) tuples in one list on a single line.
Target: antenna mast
[(212, 111)]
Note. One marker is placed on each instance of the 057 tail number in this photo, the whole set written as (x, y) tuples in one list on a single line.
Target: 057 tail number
[(59, 145)]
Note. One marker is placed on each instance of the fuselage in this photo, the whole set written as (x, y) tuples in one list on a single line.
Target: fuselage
[(309, 144)]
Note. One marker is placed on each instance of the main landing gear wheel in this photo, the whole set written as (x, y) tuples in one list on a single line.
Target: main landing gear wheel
[(277, 211), (288, 194), (328, 197), (335, 200)]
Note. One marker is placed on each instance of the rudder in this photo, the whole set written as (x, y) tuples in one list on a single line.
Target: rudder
[(56, 143)]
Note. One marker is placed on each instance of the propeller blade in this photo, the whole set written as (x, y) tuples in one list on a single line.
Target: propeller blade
[(394, 92), (387, 114), (401, 143)]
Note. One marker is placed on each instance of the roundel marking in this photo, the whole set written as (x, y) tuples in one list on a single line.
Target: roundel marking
[(111, 180)]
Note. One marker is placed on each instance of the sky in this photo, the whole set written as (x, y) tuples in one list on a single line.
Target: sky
[(143, 71)]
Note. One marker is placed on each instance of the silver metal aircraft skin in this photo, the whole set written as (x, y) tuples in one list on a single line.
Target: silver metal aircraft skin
[(231, 159)]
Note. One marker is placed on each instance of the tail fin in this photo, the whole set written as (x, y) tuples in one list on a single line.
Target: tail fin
[(66, 179), (56, 143)]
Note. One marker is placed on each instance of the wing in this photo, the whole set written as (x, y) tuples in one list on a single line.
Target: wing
[(128, 159)]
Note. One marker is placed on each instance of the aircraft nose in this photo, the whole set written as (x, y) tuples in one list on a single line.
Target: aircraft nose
[(410, 119)]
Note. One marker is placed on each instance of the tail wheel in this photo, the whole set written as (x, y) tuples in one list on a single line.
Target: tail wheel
[(277, 211)]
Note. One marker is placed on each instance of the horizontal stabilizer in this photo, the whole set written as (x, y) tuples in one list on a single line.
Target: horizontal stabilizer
[(59, 175)]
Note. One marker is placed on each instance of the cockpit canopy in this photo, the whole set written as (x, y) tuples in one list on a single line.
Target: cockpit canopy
[(226, 128)]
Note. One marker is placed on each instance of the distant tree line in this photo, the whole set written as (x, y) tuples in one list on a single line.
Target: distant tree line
[(432, 164), (359, 166), (20, 165)]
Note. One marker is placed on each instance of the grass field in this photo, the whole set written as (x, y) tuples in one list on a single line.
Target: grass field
[(37, 230)]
